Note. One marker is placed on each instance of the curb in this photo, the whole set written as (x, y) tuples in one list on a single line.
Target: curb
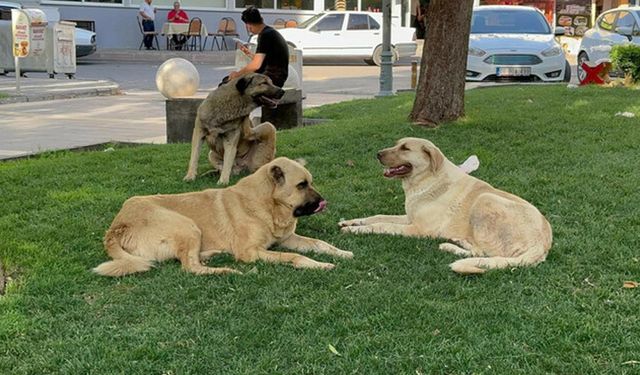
[(80, 93)]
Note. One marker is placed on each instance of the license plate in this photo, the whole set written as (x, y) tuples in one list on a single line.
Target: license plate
[(513, 72)]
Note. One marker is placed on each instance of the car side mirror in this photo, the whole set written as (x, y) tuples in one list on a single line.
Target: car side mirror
[(559, 31)]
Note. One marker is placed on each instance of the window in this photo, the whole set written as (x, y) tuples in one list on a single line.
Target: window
[(626, 21), (332, 22), (508, 21), (373, 24), (372, 5), (262, 4), (197, 3), (607, 20), (341, 4), (358, 22), (295, 4)]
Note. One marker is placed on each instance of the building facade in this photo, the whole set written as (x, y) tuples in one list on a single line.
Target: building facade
[(116, 24)]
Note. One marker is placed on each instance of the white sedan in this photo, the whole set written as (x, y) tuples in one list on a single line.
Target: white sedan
[(348, 34), (613, 27), (514, 42)]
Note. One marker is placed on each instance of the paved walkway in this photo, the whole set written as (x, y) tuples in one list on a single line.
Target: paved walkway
[(135, 116), (39, 89)]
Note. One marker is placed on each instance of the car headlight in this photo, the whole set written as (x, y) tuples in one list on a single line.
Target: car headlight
[(553, 51), (476, 52)]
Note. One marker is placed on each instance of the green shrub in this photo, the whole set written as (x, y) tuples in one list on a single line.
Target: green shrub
[(627, 58)]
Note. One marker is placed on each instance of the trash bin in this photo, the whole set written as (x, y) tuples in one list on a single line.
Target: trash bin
[(52, 48)]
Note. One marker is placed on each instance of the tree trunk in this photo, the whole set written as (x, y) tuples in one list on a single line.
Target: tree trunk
[(440, 92)]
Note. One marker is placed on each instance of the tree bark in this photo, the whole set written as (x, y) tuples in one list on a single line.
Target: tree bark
[(440, 91)]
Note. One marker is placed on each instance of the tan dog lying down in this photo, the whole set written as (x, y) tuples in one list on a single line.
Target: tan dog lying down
[(260, 211), (492, 227)]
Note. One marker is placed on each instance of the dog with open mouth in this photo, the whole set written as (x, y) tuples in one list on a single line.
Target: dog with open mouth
[(259, 212), (492, 228), (223, 121)]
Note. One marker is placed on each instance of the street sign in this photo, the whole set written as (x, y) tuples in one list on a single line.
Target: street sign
[(21, 33), (27, 29)]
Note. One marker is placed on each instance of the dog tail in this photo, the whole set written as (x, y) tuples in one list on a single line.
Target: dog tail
[(530, 257), (123, 263)]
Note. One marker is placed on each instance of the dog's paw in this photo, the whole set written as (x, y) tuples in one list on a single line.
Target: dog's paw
[(223, 181), (325, 266), (344, 254), (310, 263), (189, 177), (360, 229), (351, 223)]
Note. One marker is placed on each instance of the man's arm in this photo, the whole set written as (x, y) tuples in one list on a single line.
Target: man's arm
[(251, 67)]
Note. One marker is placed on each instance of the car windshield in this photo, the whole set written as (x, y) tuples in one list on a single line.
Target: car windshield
[(508, 21), (305, 24)]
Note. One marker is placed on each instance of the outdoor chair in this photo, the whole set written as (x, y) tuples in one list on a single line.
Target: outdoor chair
[(279, 23), (194, 33), (146, 33), (226, 27), (291, 23)]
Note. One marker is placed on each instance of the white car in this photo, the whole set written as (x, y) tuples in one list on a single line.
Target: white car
[(348, 34), (85, 39), (515, 43), (613, 27)]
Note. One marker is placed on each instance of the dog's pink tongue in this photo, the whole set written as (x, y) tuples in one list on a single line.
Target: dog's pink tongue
[(321, 206), (395, 171)]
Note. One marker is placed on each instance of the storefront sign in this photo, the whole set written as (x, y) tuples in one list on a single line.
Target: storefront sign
[(574, 16)]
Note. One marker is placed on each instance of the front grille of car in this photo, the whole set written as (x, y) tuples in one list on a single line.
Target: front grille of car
[(513, 60)]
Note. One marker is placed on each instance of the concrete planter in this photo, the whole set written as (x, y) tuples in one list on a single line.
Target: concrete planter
[(181, 115)]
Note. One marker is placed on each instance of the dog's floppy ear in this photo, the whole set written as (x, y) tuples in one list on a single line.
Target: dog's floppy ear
[(242, 84), (277, 175), (435, 156)]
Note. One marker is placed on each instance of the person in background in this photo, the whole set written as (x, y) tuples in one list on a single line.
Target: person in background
[(177, 15), (420, 21), (272, 53), (148, 14)]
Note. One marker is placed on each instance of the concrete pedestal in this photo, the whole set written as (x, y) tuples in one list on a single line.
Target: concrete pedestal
[(288, 114), (181, 116)]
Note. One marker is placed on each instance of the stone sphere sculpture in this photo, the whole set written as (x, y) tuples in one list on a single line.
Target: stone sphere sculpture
[(176, 78)]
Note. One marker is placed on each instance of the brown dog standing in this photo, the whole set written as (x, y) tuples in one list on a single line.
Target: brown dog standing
[(260, 211), (493, 228)]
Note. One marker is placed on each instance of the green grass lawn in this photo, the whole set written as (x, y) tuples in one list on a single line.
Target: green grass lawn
[(396, 308)]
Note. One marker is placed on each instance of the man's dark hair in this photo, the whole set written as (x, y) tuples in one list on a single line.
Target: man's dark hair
[(252, 15)]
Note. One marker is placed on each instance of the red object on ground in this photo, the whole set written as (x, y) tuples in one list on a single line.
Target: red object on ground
[(592, 73)]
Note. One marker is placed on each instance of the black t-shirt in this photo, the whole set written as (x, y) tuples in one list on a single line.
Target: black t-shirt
[(276, 51)]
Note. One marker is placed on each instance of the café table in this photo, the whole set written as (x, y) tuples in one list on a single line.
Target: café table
[(171, 28)]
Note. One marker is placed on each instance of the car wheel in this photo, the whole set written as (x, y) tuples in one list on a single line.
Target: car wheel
[(567, 71), (582, 57), (376, 58)]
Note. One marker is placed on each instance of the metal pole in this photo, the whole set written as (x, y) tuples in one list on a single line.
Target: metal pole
[(386, 71), (414, 73), (17, 65)]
